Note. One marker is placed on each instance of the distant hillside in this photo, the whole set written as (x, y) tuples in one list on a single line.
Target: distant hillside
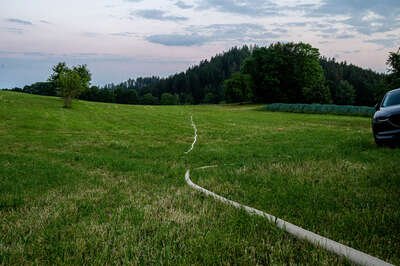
[(203, 83), (198, 84)]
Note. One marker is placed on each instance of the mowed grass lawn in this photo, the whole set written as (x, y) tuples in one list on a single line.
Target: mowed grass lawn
[(104, 184)]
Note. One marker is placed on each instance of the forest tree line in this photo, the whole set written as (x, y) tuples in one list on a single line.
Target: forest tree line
[(282, 72)]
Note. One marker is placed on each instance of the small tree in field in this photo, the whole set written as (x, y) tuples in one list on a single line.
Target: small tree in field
[(70, 86), (70, 83)]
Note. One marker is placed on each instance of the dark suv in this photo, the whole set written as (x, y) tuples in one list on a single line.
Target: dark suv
[(386, 120)]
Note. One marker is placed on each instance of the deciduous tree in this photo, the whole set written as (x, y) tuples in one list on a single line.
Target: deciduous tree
[(238, 88), (70, 82), (168, 99), (70, 86), (282, 72)]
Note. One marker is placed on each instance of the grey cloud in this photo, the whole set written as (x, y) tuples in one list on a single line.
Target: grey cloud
[(366, 17), (242, 7), (351, 51), (326, 23), (296, 24), (7, 52), (124, 34), (349, 6), (183, 5), (27, 54), (14, 30), (328, 26), (86, 54), (19, 21), (302, 7), (392, 36), (385, 42), (280, 30), (34, 53), (70, 56), (329, 30), (178, 39), (326, 29), (91, 34), (233, 33), (323, 42), (379, 24), (157, 14), (243, 31), (325, 36), (344, 35)]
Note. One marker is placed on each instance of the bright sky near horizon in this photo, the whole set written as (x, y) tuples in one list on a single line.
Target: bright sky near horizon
[(121, 39)]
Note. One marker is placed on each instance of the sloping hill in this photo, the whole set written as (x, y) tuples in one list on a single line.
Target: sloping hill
[(103, 184)]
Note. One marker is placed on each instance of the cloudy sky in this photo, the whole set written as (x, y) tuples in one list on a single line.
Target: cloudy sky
[(121, 39)]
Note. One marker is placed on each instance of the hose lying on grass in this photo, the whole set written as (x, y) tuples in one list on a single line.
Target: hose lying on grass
[(349, 253)]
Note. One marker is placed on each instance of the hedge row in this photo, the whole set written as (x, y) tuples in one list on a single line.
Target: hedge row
[(321, 109)]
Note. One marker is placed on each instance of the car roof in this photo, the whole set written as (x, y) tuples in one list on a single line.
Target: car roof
[(395, 90)]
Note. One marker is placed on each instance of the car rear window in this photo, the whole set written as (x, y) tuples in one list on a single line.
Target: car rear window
[(392, 98)]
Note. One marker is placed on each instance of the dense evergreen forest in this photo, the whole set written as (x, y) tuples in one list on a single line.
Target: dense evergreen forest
[(353, 85), (290, 72)]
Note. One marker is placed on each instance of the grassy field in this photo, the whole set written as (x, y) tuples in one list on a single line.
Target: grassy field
[(104, 184)]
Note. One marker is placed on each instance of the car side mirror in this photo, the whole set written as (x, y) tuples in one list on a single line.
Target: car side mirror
[(377, 107)]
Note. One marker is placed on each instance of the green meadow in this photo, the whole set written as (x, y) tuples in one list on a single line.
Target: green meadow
[(104, 184)]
